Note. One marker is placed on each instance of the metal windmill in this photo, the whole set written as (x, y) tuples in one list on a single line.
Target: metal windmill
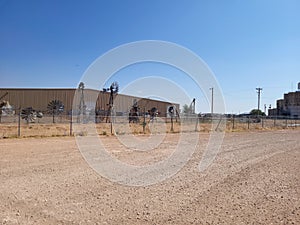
[(172, 113), (55, 107), (30, 115), (113, 89), (82, 106), (193, 105), (134, 113)]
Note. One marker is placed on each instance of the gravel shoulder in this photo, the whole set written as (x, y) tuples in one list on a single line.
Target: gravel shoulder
[(253, 180)]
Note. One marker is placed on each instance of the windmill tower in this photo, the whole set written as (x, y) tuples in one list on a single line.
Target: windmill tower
[(81, 106), (113, 89)]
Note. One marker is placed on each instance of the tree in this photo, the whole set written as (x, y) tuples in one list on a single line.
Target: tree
[(54, 108), (187, 109), (257, 112)]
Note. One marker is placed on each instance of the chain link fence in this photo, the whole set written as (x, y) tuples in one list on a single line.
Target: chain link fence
[(15, 126), (62, 125), (262, 122)]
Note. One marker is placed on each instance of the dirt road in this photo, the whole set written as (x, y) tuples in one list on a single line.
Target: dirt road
[(254, 180)]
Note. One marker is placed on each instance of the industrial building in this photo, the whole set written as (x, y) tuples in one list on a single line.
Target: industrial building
[(288, 106), (38, 99)]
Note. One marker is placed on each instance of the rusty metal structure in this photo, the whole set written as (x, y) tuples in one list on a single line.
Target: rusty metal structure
[(153, 112), (113, 90), (134, 113)]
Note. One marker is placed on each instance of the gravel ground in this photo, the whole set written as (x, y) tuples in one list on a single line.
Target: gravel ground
[(253, 180)]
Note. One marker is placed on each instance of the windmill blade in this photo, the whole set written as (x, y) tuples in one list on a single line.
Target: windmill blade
[(29, 114), (114, 87), (55, 107), (81, 86)]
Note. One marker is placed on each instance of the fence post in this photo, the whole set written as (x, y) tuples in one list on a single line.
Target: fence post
[(19, 123), (262, 122), (71, 124), (111, 127), (286, 125), (232, 122), (144, 121), (248, 122)]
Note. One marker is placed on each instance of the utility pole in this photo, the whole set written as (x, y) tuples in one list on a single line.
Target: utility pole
[(212, 100), (258, 93)]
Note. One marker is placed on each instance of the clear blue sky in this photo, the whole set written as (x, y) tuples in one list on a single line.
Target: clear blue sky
[(245, 43)]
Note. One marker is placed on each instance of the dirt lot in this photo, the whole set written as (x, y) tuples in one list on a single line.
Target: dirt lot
[(254, 180)]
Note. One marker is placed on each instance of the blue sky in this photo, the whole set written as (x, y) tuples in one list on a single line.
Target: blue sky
[(247, 44)]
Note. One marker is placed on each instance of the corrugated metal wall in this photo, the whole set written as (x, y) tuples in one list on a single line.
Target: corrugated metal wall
[(39, 99)]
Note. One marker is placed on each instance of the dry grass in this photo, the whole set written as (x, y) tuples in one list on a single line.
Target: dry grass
[(10, 130)]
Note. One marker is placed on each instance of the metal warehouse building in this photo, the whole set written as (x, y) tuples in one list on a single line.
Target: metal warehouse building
[(38, 99)]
